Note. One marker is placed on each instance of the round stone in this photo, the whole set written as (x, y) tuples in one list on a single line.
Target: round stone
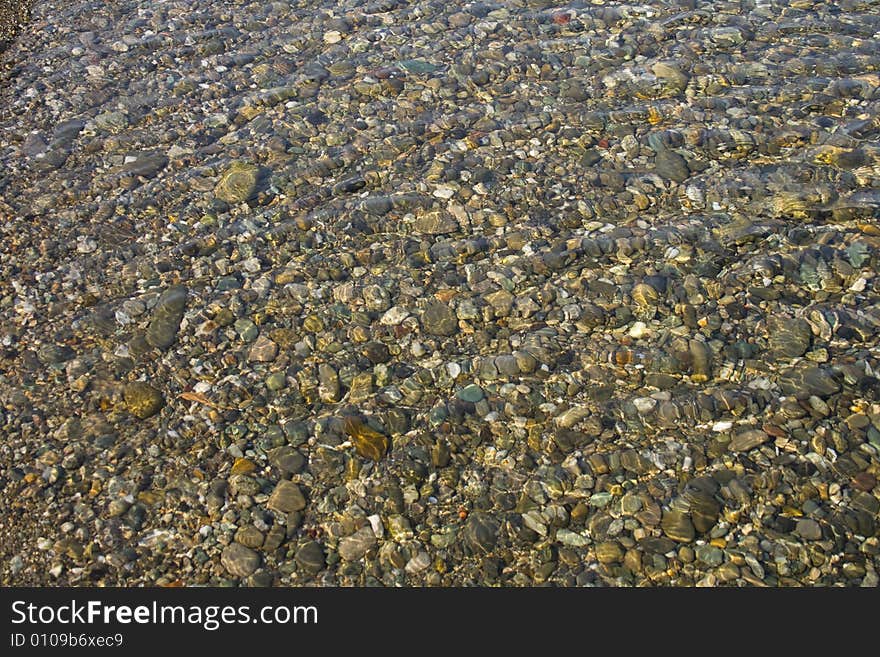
[(238, 183), (310, 557), (287, 459), (672, 166), (142, 400), (789, 337), (609, 552), (472, 393)]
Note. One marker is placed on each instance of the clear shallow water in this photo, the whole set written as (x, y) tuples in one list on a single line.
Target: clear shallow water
[(580, 250)]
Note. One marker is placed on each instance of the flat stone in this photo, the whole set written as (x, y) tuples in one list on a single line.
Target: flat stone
[(438, 319), (481, 532), (238, 183), (354, 547), (310, 557), (263, 350), (435, 222), (239, 560), (506, 365), (571, 539), (525, 361), (609, 552), (805, 380), (789, 337), (394, 316), (361, 387), (672, 166), (657, 544), (376, 352), (709, 555), (287, 459), (249, 536), (112, 121), (678, 526), (328, 384), (146, 164), (808, 529), (671, 72), (472, 393), (286, 497), (377, 205), (501, 302), (748, 439), (142, 400)]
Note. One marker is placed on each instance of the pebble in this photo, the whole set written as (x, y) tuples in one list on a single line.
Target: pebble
[(166, 317), (239, 560), (142, 400), (263, 350), (678, 526), (238, 183), (597, 307), (438, 319), (745, 440), (286, 497), (310, 557), (354, 547), (481, 532), (808, 529)]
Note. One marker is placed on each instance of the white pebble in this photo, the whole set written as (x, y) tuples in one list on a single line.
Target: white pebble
[(394, 316), (638, 330), (376, 524)]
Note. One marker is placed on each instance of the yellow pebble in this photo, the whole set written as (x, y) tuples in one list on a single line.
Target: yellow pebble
[(243, 466)]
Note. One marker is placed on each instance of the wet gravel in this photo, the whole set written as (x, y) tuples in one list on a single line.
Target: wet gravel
[(419, 293)]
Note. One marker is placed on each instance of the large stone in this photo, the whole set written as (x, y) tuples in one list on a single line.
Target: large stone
[(263, 350), (238, 183), (438, 319), (354, 547), (808, 529), (435, 222), (501, 302), (609, 552), (142, 400), (328, 384), (748, 439), (146, 164), (286, 497), (310, 557), (678, 526), (804, 380), (672, 73), (481, 532), (789, 337), (165, 321), (287, 458), (671, 165), (239, 560), (368, 442)]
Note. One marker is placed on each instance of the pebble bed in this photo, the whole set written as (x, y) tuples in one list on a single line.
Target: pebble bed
[(407, 293)]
